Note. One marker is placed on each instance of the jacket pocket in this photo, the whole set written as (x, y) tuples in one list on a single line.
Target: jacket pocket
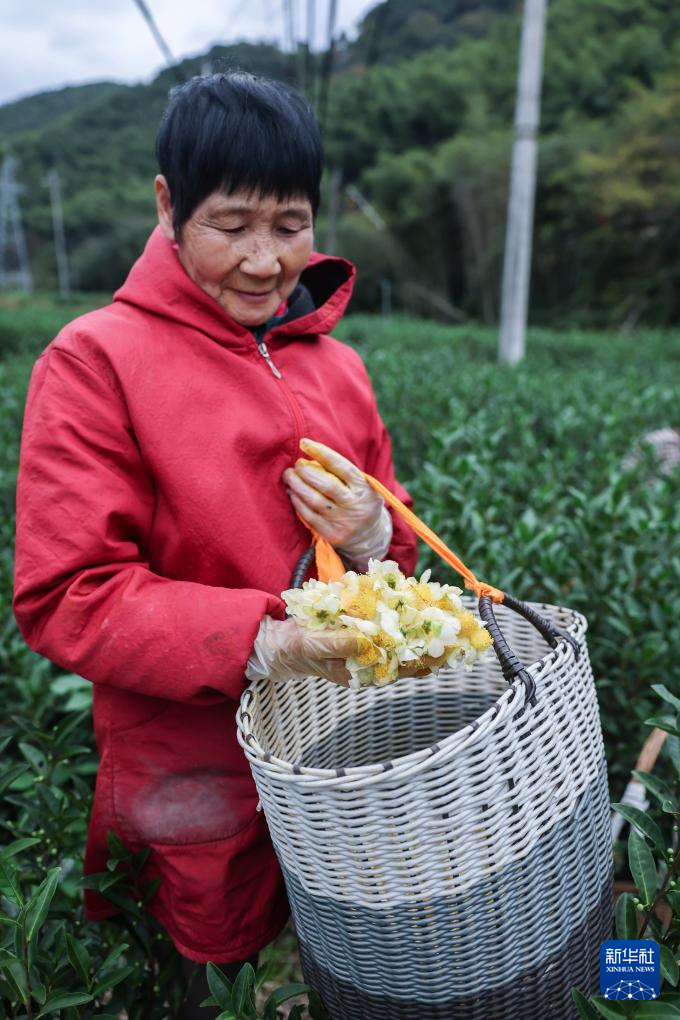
[(181, 777)]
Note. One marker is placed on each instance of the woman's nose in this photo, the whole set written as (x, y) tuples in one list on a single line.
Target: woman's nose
[(261, 261)]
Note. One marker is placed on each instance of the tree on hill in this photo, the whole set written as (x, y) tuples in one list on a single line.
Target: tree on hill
[(420, 118)]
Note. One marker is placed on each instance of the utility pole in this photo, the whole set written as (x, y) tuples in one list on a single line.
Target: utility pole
[(518, 238), (333, 211), (51, 180), (10, 220)]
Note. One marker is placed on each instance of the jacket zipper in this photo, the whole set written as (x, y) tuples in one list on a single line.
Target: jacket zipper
[(262, 348), (292, 402)]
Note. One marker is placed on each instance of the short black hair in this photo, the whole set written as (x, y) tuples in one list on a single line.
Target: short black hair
[(232, 131)]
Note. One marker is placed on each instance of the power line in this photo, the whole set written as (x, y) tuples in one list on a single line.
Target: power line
[(162, 45)]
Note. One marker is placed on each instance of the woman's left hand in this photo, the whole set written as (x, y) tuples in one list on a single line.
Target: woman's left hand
[(333, 497)]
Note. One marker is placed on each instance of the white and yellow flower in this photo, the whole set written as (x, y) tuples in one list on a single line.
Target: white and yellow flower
[(420, 624)]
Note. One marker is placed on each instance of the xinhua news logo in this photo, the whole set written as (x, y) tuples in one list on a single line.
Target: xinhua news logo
[(630, 969)]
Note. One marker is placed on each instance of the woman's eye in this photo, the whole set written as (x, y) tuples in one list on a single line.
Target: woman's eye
[(232, 230), (287, 231)]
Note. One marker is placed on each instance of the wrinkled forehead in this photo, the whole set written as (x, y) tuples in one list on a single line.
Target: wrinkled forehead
[(246, 202)]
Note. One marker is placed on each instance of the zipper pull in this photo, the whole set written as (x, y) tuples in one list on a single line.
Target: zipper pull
[(262, 348)]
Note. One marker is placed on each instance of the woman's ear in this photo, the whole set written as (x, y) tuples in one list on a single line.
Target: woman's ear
[(164, 207)]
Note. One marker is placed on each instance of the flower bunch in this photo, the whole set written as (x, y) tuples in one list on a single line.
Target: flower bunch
[(400, 621)]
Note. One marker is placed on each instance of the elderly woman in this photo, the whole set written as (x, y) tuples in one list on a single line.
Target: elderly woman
[(161, 502)]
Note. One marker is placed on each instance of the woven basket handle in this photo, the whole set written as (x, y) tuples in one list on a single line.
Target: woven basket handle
[(301, 567), (511, 666)]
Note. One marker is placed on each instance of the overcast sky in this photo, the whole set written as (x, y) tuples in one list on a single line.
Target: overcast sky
[(45, 44)]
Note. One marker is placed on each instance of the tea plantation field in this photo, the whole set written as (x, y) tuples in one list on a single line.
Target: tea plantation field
[(521, 471)]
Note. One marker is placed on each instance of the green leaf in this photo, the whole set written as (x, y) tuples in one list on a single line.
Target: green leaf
[(62, 1001), (667, 695), (17, 846), (226, 1015), (33, 756), (150, 889), (317, 1010), (265, 973), (669, 966), (19, 933), (66, 728), (13, 971), (656, 1009), (113, 955), (40, 904), (107, 981), (220, 986), (642, 867), (610, 1010), (626, 917), (243, 988), (673, 748), (140, 859), (117, 848), (68, 683), (644, 822), (280, 996), (657, 787), (79, 958), (673, 897), (11, 775), (663, 722), (38, 990), (8, 920), (7, 875)]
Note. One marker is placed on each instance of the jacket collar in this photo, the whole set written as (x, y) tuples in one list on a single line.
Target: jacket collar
[(158, 283)]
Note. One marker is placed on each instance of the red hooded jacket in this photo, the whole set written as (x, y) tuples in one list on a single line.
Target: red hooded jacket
[(153, 534)]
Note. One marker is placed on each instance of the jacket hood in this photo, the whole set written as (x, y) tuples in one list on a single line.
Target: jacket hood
[(158, 283)]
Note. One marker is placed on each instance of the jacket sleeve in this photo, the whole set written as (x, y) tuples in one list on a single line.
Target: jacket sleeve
[(85, 596), (404, 545)]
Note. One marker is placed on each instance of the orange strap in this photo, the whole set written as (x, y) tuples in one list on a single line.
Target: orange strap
[(330, 567), (434, 541)]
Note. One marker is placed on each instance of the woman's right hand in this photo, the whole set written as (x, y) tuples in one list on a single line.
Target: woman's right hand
[(284, 650)]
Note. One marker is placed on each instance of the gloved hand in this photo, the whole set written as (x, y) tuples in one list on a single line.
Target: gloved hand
[(336, 500), (283, 650)]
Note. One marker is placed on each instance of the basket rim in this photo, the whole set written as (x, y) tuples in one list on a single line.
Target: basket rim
[(511, 701)]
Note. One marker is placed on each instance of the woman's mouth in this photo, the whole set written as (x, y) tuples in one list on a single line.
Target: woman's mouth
[(254, 297)]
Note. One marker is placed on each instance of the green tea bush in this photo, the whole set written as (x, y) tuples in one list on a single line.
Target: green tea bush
[(28, 322), (520, 471), (654, 860)]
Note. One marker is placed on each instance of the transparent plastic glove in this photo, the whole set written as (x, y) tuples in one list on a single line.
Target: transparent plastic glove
[(283, 650), (333, 496)]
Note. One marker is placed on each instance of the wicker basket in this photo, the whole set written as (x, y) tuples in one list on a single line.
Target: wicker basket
[(445, 841)]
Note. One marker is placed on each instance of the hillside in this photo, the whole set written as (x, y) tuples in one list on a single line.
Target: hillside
[(420, 119), (39, 111)]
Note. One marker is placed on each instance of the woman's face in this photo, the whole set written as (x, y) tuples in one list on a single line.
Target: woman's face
[(245, 250)]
